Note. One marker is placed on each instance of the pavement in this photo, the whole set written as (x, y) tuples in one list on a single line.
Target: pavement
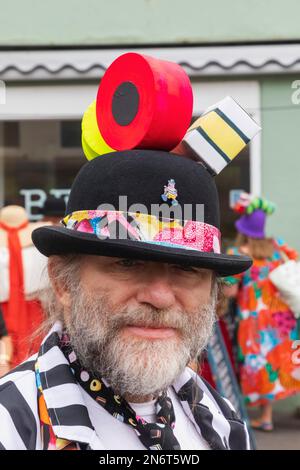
[(286, 434)]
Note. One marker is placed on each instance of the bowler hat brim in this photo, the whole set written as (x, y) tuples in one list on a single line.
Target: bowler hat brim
[(55, 240)]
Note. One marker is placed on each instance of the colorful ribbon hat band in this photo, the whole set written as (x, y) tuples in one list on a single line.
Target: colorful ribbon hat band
[(118, 225)]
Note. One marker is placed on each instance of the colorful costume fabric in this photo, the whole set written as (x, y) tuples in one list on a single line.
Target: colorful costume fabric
[(266, 332), (188, 234)]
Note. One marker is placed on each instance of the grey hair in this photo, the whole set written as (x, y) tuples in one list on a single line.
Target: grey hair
[(65, 271)]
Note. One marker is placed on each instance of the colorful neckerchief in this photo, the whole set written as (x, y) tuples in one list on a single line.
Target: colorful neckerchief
[(154, 436)]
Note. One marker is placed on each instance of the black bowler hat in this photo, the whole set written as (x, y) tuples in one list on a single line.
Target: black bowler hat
[(95, 223)]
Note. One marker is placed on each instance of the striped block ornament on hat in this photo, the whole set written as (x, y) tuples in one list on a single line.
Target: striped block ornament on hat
[(219, 135)]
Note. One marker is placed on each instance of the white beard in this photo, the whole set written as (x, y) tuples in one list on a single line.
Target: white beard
[(130, 364)]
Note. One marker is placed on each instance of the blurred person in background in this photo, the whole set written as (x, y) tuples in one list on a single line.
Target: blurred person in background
[(54, 210), (267, 327), (21, 268), (5, 347)]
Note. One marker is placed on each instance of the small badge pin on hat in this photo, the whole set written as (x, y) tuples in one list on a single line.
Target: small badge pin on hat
[(170, 193)]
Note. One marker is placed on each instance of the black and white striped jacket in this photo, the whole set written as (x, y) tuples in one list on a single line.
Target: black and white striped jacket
[(213, 416)]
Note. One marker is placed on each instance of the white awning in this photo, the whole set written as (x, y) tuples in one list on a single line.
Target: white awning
[(197, 61)]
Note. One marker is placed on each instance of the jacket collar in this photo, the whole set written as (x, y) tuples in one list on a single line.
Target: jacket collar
[(64, 401)]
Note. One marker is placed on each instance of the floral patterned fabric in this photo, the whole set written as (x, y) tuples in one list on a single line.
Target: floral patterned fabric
[(187, 234), (266, 332)]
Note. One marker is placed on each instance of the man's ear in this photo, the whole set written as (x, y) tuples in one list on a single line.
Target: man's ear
[(60, 288)]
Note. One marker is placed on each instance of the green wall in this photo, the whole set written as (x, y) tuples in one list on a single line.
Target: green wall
[(281, 156), (117, 22)]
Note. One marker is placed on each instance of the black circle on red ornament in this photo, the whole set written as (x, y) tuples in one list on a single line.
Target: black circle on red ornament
[(125, 103)]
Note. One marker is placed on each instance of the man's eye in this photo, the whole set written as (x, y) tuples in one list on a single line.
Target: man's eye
[(189, 269), (127, 263)]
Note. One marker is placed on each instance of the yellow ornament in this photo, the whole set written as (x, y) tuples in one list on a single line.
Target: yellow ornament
[(117, 399), (87, 150), (92, 141), (95, 385), (132, 422)]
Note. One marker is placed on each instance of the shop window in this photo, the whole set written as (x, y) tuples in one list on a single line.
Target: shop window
[(70, 134), (38, 159), (235, 176), (11, 134)]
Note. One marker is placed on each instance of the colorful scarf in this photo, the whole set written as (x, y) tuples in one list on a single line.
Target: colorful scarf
[(153, 436)]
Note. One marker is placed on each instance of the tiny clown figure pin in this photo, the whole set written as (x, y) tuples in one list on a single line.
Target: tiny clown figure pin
[(170, 193)]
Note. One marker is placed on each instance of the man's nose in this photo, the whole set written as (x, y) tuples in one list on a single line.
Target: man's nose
[(158, 293)]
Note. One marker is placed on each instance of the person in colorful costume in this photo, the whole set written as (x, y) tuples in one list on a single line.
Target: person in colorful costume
[(267, 327), (22, 310), (5, 347)]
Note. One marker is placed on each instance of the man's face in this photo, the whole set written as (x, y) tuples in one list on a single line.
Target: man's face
[(138, 323)]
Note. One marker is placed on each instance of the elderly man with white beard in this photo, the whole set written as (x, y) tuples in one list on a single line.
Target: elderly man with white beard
[(131, 301)]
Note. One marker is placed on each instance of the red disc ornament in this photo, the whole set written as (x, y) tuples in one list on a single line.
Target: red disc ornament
[(144, 102)]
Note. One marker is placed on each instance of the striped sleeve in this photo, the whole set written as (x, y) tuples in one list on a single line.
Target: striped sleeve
[(11, 439), (20, 418), (238, 438), (19, 423)]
